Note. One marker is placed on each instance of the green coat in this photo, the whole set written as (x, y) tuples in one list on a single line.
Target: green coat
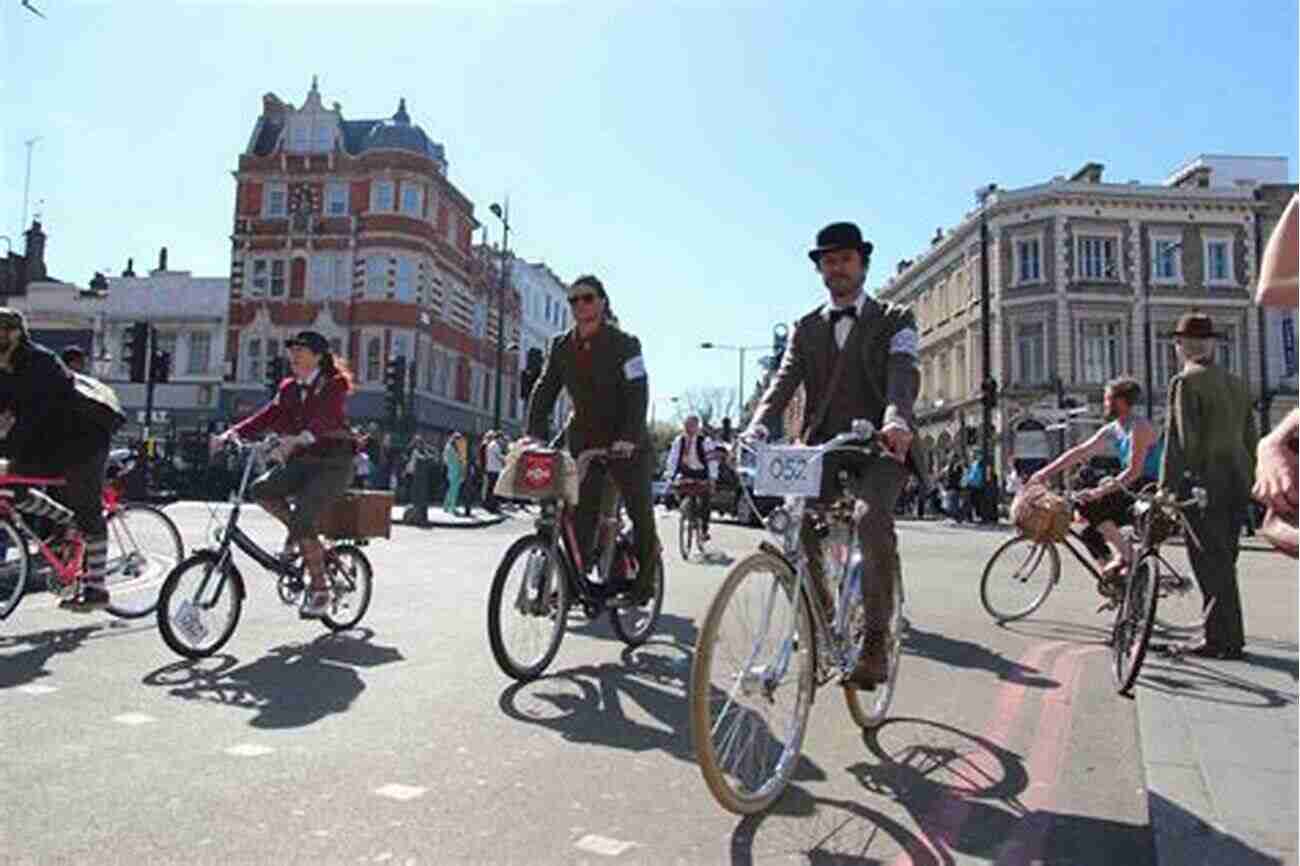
[(1210, 431), (606, 381)]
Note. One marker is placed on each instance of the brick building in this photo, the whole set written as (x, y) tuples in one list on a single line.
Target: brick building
[(352, 228)]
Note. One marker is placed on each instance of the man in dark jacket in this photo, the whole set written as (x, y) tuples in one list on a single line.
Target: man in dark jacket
[(602, 368), (53, 430)]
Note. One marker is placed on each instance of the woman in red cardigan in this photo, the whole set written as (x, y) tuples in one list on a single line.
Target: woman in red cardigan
[(316, 449)]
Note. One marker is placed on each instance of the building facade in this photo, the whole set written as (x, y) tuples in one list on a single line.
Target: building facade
[(545, 313), (353, 228), (1081, 271)]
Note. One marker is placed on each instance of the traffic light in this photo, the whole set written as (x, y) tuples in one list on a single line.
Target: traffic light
[(532, 372), (276, 370), (137, 350), (160, 370), (395, 385), (990, 388)]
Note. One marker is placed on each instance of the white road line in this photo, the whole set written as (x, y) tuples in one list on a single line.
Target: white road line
[(401, 792), (603, 845), (134, 719), (34, 689), (249, 750)]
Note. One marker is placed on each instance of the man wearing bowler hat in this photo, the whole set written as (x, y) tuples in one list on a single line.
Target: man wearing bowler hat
[(856, 358), (1210, 440)]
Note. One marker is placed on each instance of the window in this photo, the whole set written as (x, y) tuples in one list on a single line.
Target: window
[(376, 275), (277, 278), (1218, 261), (200, 353), (261, 277), (374, 362), (1225, 349), (1101, 348), (324, 130), (405, 279), (298, 139), (336, 199), (321, 276), (1028, 266), (381, 197), (277, 197), (1288, 344), (1165, 358), (1166, 260), (959, 373), (1031, 353), (412, 199), (430, 368), (1097, 258), (941, 381), (254, 354)]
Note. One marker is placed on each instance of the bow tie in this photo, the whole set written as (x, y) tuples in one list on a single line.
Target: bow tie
[(846, 313)]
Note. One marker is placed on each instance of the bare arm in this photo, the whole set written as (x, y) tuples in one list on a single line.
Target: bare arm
[(1072, 457)]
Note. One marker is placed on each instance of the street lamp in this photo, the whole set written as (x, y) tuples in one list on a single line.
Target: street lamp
[(504, 216), (989, 386), (740, 387)]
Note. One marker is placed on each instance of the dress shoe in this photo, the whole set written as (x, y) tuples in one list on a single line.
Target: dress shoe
[(873, 664), (1203, 650)]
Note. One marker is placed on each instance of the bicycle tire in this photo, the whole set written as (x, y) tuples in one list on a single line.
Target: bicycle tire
[(13, 573), (717, 777), (870, 707), (1029, 566), (1181, 607), (1131, 632), (357, 586), (685, 529), (553, 587), (643, 621), (169, 535), (232, 588)]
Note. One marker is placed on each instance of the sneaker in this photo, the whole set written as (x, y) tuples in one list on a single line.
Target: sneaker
[(315, 604), (90, 599)]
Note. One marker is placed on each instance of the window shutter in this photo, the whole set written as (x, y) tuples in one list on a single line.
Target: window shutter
[(360, 197)]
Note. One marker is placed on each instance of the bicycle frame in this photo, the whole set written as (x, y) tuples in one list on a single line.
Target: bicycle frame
[(556, 524), (66, 570)]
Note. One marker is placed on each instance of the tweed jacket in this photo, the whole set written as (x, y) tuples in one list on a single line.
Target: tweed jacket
[(1211, 433)]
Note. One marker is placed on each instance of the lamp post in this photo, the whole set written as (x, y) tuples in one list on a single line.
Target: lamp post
[(988, 386), (740, 386), (502, 214)]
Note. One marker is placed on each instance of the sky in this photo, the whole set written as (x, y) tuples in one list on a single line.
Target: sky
[(686, 152)]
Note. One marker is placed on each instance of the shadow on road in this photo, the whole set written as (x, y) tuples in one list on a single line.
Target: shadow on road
[(1190, 678), (968, 654), (1185, 838), (1053, 629), (27, 665), (291, 686)]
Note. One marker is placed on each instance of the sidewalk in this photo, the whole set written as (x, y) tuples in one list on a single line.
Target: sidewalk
[(1218, 741), (441, 519)]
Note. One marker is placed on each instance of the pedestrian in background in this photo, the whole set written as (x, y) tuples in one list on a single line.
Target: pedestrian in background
[(455, 463), (361, 470), (494, 463)]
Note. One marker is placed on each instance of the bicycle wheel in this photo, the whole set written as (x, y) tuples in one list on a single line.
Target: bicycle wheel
[(868, 707), (751, 689), (351, 584), (1133, 620), (1018, 578), (143, 546), (528, 609), (1182, 604), (199, 605), (685, 529), (633, 625), (14, 565)]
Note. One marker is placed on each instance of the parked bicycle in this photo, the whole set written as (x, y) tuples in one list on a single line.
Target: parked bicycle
[(791, 635), (693, 494), (202, 598), (143, 546), (545, 572)]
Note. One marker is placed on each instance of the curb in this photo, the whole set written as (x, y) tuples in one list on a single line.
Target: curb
[(473, 523)]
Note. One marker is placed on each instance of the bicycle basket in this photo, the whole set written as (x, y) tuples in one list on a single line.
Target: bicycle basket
[(684, 487), (1040, 514), (536, 474), (1154, 523)]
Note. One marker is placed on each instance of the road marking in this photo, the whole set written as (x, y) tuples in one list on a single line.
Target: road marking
[(134, 719), (603, 845), (401, 792), (34, 689), (249, 750)]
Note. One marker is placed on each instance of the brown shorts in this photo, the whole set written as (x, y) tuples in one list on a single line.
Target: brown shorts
[(313, 483)]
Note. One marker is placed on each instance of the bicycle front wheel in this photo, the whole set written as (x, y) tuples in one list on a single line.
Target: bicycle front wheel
[(633, 625), (350, 577), (1018, 578), (1133, 620), (144, 545), (1182, 604), (685, 529), (199, 605), (752, 684), (528, 609), (14, 566), (869, 707)]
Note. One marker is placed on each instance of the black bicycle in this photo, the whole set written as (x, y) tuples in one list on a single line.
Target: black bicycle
[(201, 599), (544, 573)]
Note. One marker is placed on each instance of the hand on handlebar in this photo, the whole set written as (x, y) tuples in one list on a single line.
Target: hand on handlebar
[(621, 449), (897, 441)]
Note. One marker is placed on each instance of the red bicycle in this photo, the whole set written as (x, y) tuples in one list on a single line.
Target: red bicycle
[(143, 546)]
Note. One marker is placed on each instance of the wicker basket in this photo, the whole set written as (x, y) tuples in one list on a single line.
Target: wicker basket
[(360, 514), (1040, 514)]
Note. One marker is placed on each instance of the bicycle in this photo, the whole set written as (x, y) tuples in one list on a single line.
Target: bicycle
[(554, 575), (816, 638), (143, 545), (1015, 570), (188, 616), (693, 494)]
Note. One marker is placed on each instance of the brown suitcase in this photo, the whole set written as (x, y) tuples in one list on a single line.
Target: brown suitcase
[(360, 514)]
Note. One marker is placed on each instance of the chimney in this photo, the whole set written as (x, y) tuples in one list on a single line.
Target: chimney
[(938, 236), (130, 268), (162, 259), (35, 253), (1090, 173), (904, 264)]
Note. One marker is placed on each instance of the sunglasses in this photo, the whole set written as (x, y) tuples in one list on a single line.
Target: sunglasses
[(585, 298)]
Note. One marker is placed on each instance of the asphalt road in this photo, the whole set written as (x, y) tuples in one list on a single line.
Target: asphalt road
[(401, 742)]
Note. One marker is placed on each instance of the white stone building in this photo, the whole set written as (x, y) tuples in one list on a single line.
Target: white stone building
[(545, 314)]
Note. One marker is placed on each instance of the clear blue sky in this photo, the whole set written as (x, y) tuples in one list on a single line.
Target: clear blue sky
[(685, 152)]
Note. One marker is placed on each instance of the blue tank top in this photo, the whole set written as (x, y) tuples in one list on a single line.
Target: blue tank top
[(1124, 445)]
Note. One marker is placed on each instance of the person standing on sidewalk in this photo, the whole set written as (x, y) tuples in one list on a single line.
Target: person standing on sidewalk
[(494, 459), (455, 464), (1210, 441)]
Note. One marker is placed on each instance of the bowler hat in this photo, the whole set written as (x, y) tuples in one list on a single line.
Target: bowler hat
[(840, 236), (11, 318), (310, 340), (1195, 325)]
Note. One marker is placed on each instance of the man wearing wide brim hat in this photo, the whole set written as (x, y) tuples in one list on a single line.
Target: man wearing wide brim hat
[(1210, 440)]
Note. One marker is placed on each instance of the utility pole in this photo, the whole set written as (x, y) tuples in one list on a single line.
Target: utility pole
[(27, 185), (504, 216), (989, 387)]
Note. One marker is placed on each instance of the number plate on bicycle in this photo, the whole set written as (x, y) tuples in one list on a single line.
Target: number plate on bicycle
[(188, 621), (788, 470)]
